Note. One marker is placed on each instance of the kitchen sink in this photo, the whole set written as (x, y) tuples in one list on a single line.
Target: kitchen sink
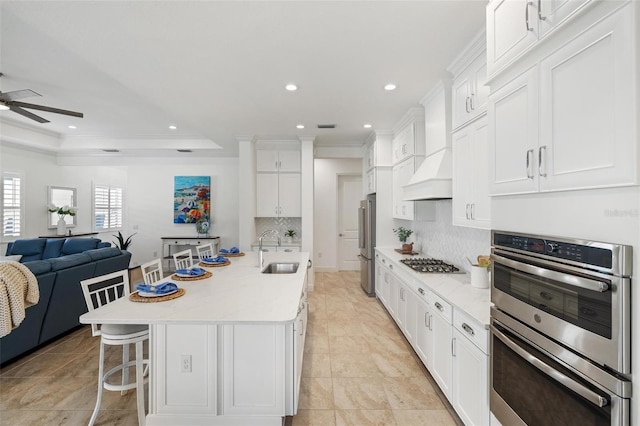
[(281, 268)]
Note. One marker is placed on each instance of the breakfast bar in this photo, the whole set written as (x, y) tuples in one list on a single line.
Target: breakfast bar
[(229, 351)]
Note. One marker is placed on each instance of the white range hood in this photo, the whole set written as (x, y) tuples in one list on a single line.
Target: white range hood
[(432, 180)]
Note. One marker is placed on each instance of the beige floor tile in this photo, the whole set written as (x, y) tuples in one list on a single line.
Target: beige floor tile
[(344, 328), (44, 365), (353, 365), (343, 315), (318, 344), (79, 343), (348, 344), (387, 345), (316, 365), (411, 393), (359, 393), (317, 327), (314, 418), (396, 365), (316, 393), (365, 418), (423, 417), (336, 304)]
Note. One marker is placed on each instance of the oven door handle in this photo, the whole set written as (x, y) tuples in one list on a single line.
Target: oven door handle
[(565, 278), (551, 372)]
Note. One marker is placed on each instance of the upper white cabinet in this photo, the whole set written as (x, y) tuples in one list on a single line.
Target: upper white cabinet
[(437, 117), (274, 160), (377, 153), (401, 174), (278, 180), (408, 136), (469, 91), (568, 122), (471, 201), (515, 26)]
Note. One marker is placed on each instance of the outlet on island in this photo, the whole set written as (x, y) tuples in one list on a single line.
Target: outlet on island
[(185, 364)]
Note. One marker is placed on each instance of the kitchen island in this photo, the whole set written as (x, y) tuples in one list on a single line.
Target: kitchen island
[(228, 352)]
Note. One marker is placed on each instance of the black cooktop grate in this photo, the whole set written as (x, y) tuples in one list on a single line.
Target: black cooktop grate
[(427, 265)]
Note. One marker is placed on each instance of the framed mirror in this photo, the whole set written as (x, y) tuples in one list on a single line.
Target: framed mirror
[(61, 196)]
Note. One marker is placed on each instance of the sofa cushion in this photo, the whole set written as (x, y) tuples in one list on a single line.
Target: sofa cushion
[(38, 267), (29, 248), (103, 244), (103, 253), (68, 261), (78, 245), (53, 248)]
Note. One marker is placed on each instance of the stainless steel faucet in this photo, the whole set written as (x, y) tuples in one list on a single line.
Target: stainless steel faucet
[(265, 233)]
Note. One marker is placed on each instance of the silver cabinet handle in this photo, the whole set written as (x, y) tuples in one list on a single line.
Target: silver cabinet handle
[(473, 213), (466, 104), (468, 329), (551, 372), (529, 156), (526, 16), (390, 266), (425, 320), (471, 102), (430, 328), (439, 306), (540, 17), (453, 346), (467, 211), (540, 168)]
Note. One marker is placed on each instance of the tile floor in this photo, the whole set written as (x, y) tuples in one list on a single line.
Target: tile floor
[(357, 370)]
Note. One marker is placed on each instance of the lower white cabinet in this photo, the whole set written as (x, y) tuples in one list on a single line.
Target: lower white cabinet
[(424, 337), (441, 365), (470, 378)]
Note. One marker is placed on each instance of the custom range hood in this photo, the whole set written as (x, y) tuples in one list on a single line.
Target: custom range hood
[(432, 180)]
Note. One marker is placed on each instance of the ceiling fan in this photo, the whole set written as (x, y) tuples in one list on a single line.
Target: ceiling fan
[(9, 100)]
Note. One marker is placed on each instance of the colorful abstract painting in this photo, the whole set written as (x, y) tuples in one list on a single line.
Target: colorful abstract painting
[(191, 198)]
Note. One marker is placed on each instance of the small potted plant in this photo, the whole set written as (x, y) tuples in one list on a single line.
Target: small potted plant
[(123, 243), (403, 234), (290, 234)]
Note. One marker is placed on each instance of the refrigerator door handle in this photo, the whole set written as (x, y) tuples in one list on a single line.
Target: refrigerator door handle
[(361, 230)]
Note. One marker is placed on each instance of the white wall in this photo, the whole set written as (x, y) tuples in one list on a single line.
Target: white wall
[(326, 204)]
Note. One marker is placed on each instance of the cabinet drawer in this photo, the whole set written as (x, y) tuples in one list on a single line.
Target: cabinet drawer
[(471, 329), (441, 307)]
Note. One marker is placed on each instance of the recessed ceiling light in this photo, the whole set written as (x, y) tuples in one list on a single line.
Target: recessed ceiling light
[(366, 126), (300, 126), (291, 87), (172, 127), (390, 86), (72, 127)]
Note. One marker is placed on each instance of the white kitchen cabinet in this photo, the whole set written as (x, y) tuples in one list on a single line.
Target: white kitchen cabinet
[(402, 172), (515, 26), (470, 370), (278, 195), (469, 92), (298, 332), (424, 336), (568, 122), (401, 310), (408, 136), (392, 300), (274, 160), (441, 360), (410, 323), (371, 181), (471, 200), (382, 280)]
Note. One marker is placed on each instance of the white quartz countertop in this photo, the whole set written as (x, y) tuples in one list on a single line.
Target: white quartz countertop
[(454, 288), (238, 293)]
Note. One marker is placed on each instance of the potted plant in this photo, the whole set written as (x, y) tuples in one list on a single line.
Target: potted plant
[(403, 234), (290, 234), (123, 243)]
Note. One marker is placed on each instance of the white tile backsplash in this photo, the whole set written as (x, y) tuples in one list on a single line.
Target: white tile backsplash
[(442, 240), (280, 224)]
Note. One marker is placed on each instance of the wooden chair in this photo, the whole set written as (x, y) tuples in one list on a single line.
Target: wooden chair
[(152, 271), (183, 259), (100, 291), (204, 251)]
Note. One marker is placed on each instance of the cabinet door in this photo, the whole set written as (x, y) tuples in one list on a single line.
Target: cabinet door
[(423, 332), (441, 359), (513, 136), (401, 311), (479, 92), (289, 195), (267, 195), (509, 32), (401, 174), (481, 201), (392, 306), (266, 160), (553, 12), (289, 161), (463, 175), (380, 281), (410, 315), (587, 109), (470, 381), (460, 94)]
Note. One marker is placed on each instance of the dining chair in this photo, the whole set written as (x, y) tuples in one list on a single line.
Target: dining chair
[(100, 291), (204, 251), (183, 259), (152, 271)]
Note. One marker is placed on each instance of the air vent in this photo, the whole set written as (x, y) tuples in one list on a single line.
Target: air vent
[(326, 126), (184, 150), (111, 150)]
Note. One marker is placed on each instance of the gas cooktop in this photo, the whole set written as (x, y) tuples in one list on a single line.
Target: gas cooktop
[(433, 266)]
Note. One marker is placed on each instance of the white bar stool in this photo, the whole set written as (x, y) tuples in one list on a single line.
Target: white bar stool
[(183, 259), (152, 271), (100, 291), (204, 251)]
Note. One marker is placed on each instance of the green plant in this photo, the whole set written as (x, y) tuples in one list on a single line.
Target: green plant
[(403, 233), (290, 233), (123, 244)]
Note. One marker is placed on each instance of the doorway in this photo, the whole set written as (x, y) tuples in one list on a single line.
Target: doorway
[(349, 195)]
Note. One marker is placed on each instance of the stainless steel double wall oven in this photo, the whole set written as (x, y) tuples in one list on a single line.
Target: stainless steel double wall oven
[(560, 331)]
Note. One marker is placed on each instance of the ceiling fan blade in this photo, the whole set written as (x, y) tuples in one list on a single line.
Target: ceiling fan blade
[(28, 114), (48, 109), (18, 94)]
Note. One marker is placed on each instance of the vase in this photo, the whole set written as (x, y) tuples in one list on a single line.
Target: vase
[(407, 248), (62, 226)]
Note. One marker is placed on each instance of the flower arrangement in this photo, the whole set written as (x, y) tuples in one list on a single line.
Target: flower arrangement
[(403, 233), (62, 211)]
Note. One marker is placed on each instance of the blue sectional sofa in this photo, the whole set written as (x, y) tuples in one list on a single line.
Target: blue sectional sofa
[(59, 264)]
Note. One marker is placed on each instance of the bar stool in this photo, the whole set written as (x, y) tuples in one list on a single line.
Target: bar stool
[(152, 271), (183, 259), (205, 251), (100, 291)]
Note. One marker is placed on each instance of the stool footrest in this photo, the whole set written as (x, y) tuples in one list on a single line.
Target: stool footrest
[(121, 387)]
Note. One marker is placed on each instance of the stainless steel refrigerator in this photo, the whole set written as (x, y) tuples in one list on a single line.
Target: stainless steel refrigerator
[(366, 243)]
